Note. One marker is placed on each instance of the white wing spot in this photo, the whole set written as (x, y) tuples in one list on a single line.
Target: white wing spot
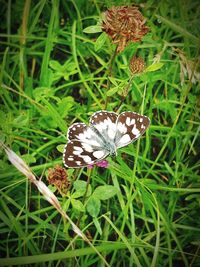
[(76, 152), (78, 148), (111, 129), (89, 133), (78, 162), (70, 158), (82, 136), (143, 126), (141, 119), (87, 147), (135, 131), (125, 139), (128, 121), (132, 121), (101, 126), (111, 133), (121, 127), (98, 154), (86, 158)]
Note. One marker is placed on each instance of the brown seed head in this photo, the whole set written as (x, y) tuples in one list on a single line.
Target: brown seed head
[(137, 65), (57, 176), (124, 24)]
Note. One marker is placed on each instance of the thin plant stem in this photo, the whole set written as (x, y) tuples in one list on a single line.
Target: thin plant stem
[(109, 74), (126, 90), (85, 195)]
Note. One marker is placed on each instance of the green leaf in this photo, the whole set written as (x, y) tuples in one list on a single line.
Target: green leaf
[(93, 206), (28, 158), (80, 186), (97, 225), (78, 193), (193, 197), (93, 29), (46, 122), (169, 169), (55, 65), (66, 204), (60, 148), (112, 91), (42, 92), (52, 188), (77, 204), (65, 105), (113, 81), (148, 181), (69, 66), (100, 41), (21, 120), (104, 192), (154, 67)]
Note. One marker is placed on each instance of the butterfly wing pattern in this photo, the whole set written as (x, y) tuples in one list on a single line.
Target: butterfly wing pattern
[(106, 132), (84, 147), (130, 126)]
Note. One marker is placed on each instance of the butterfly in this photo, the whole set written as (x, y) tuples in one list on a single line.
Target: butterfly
[(106, 132)]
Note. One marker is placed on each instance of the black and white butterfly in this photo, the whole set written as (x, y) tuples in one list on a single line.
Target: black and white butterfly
[(107, 131)]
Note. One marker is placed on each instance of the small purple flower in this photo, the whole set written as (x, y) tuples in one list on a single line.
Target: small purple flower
[(102, 164), (90, 166)]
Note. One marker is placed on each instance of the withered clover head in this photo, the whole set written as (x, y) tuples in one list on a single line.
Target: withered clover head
[(124, 24), (136, 65), (58, 177)]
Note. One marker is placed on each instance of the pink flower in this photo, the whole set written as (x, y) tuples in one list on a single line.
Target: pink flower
[(102, 164)]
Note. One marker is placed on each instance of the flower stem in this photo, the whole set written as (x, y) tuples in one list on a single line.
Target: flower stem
[(126, 90), (89, 171), (109, 74)]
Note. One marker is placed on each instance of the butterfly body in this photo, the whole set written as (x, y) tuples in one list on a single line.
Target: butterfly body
[(107, 143), (107, 131)]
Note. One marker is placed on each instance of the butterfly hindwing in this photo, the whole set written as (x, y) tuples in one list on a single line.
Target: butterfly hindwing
[(79, 154), (84, 147), (130, 126)]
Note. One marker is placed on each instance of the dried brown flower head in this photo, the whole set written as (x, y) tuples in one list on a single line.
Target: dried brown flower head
[(188, 68), (124, 24), (137, 65), (57, 176)]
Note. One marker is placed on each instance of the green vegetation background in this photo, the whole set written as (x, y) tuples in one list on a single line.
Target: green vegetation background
[(52, 74)]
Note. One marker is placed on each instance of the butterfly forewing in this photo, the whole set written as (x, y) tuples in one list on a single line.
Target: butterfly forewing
[(130, 126), (76, 129), (84, 133), (105, 123)]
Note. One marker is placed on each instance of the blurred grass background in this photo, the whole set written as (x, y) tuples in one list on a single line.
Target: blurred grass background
[(54, 73)]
